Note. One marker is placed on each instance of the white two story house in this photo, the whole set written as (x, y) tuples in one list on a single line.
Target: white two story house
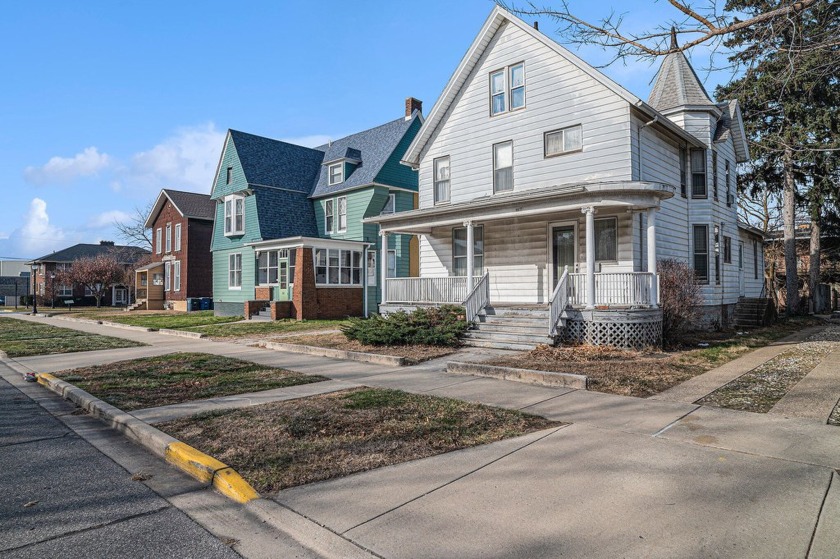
[(549, 192)]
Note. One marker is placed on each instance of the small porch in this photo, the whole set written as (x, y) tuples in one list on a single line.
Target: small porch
[(150, 289)]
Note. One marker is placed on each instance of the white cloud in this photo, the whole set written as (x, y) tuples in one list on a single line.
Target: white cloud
[(310, 141), (107, 219), (37, 235), (66, 169), (185, 160)]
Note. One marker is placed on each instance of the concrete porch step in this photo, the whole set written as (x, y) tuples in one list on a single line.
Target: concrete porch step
[(508, 337), (490, 344), (523, 311), (536, 328)]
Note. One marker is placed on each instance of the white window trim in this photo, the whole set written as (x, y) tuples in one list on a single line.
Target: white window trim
[(232, 258), (339, 214), (392, 202), (507, 89), (370, 266), (392, 253), (614, 219), (477, 270), (176, 272), (435, 180), (563, 151), (167, 275), (495, 187), (503, 72), (268, 267), (159, 241), (230, 204), (177, 237), (340, 178), (510, 87), (168, 238), (362, 268), (329, 215)]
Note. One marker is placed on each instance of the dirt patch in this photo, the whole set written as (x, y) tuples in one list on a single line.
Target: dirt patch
[(291, 443), (337, 340), (177, 378)]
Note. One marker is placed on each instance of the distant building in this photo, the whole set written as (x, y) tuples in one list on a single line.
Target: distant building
[(14, 281)]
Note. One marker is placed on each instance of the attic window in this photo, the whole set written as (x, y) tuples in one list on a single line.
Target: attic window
[(229, 178), (507, 89), (336, 173)]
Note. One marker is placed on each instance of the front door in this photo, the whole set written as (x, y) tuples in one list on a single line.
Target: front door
[(562, 250), (282, 289), (120, 295)]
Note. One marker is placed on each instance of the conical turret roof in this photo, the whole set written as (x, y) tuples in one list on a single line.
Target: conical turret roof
[(677, 85)]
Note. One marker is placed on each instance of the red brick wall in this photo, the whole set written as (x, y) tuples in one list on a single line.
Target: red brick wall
[(304, 299), (262, 293), (195, 257), (281, 309), (339, 302), (253, 307)]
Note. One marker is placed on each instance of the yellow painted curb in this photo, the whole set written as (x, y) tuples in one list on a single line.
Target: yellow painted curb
[(209, 470), (44, 379)]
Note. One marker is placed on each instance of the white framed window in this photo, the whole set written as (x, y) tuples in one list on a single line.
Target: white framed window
[(336, 173), (701, 253), (342, 214), (229, 176), (235, 271), (176, 273), (441, 169), (606, 237), (730, 198), (65, 291), (564, 140), (157, 278), (517, 86), (234, 215), (507, 89), (267, 264), (389, 204), (715, 174), (159, 240), (168, 237), (498, 104), (740, 255), (698, 174), (177, 237), (503, 167), (459, 251), (329, 215), (371, 269), (391, 272), (683, 154), (338, 267), (167, 275)]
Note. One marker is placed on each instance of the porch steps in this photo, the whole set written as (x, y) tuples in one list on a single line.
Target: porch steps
[(519, 328), (264, 315), (751, 312), (138, 305)]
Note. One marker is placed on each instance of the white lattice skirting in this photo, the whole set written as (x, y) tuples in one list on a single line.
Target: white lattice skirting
[(624, 329)]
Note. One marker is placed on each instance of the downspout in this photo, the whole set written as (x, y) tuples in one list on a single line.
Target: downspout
[(365, 280)]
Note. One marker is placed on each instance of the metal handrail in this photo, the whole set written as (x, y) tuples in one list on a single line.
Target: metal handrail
[(557, 303), (478, 298)]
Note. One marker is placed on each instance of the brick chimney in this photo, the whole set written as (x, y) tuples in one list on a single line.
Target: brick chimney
[(411, 105), (106, 243)]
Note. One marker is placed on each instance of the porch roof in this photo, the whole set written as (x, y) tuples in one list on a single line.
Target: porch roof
[(554, 199), (312, 242), (150, 266)]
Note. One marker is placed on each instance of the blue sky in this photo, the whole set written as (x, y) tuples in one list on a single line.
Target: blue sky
[(106, 102)]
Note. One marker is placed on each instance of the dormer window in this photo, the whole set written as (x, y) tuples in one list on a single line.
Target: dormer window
[(234, 215), (336, 173), (507, 89)]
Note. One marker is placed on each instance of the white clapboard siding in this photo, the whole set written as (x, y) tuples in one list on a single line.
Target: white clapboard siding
[(558, 94)]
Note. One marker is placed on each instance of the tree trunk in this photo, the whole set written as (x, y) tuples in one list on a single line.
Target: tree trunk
[(817, 304), (789, 218)]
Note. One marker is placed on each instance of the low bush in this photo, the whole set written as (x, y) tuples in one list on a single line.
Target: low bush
[(680, 298), (439, 326)]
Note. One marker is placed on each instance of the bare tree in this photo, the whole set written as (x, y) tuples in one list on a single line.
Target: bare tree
[(133, 230)]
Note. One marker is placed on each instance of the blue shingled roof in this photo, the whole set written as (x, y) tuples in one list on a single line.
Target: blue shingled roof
[(285, 213), (268, 162), (374, 146)]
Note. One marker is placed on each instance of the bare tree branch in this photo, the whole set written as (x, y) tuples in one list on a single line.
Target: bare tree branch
[(133, 231)]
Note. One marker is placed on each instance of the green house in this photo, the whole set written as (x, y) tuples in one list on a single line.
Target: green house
[(288, 239)]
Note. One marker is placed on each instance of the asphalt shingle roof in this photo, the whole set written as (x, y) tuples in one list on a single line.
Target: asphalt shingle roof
[(192, 204), (724, 123), (128, 254), (677, 85), (268, 162)]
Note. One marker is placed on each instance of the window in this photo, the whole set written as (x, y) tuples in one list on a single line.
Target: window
[(159, 240), (459, 251), (606, 231), (157, 278), (336, 173), (229, 178), (342, 214), (740, 255), (234, 215), (328, 215), (389, 204), (503, 167), (727, 176), (167, 276), (727, 250), (177, 237), (88, 291), (267, 264), (701, 253), (682, 156), (391, 272), (176, 267), (168, 237), (558, 142), (755, 259), (338, 267), (507, 83), (441, 179), (698, 173), (715, 174), (65, 291), (235, 271), (371, 269)]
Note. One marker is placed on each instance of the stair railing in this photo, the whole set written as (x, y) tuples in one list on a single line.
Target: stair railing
[(557, 303), (478, 298)]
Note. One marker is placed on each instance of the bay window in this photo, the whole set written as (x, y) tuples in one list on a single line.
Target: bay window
[(234, 215)]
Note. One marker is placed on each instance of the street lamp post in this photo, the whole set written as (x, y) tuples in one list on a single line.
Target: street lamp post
[(52, 290), (35, 268)]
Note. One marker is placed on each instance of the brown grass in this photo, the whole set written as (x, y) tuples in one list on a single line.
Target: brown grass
[(337, 340), (291, 443)]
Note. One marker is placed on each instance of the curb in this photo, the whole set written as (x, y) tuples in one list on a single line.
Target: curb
[(336, 353), (528, 376), (195, 463), (181, 333), (106, 323)]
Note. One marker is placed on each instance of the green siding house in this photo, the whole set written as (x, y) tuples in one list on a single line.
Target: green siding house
[(288, 239)]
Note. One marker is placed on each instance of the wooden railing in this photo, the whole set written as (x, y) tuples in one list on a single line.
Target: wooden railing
[(478, 298), (427, 290), (557, 303), (624, 289)]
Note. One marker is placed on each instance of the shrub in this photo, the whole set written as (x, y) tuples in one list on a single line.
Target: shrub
[(439, 326), (680, 297)]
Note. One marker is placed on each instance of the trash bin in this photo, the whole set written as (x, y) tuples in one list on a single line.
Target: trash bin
[(206, 303), (193, 304)]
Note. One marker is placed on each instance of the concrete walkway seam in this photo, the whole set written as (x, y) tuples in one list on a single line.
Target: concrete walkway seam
[(186, 458), (374, 358)]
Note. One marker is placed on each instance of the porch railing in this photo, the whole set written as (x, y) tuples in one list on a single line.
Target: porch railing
[(616, 289), (478, 298), (427, 290), (557, 303)]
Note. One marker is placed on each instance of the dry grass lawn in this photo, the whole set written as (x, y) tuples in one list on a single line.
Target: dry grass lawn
[(19, 338), (413, 353), (291, 443)]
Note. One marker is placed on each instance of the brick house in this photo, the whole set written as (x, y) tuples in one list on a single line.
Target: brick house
[(46, 268), (182, 266)]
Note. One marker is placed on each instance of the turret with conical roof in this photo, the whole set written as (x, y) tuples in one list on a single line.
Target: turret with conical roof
[(677, 85)]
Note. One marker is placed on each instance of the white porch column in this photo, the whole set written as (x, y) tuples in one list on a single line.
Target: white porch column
[(590, 256), (651, 254), (383, 261), (470, 254)]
